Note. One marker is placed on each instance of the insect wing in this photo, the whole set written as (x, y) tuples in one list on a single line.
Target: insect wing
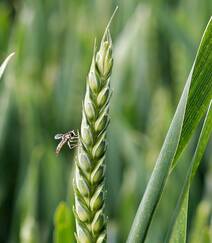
[(58, 136)]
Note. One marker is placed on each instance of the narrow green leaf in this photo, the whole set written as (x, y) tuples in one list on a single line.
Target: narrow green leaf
[(203, 140), (179, 229), (180, 226), (24, 222), (4, 64), (62, 221), (200, 93), (192, 106), (4, 99)]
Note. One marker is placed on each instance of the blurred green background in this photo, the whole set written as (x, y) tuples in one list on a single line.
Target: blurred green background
[(41, 93)]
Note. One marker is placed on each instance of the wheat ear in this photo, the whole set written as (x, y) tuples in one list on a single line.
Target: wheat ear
[(90, 157)]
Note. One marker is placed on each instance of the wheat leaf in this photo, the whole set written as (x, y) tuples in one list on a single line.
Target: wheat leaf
[(192, 106), (179, 230)]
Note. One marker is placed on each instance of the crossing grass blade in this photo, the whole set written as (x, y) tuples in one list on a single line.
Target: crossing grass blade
[(179, 230), (192, 106)]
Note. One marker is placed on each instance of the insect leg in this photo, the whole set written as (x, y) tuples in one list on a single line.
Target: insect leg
[(73, 132), (71, 146)]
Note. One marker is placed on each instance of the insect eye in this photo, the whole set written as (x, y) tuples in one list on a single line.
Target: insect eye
[(72, 134)]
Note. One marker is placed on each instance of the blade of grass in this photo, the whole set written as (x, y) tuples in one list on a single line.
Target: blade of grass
[(180, 226), (4, 64), (123, 47), (193, 104), (24, 227), (62, 232), (4, 99)]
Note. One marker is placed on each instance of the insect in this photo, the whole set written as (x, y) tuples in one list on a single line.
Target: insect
[(71, 138)]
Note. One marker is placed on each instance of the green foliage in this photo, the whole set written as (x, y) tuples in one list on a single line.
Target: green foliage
[(25, 211), (63, 225), (193, 104), (180, 228), (154, 45), (201, 231)]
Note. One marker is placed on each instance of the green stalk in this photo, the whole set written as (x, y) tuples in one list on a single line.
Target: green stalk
[(90, 158)]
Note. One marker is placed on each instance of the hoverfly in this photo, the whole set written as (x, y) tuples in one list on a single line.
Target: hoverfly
[(71, 138)]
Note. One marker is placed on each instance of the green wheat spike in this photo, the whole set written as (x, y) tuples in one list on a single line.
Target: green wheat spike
[(90, 158)]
